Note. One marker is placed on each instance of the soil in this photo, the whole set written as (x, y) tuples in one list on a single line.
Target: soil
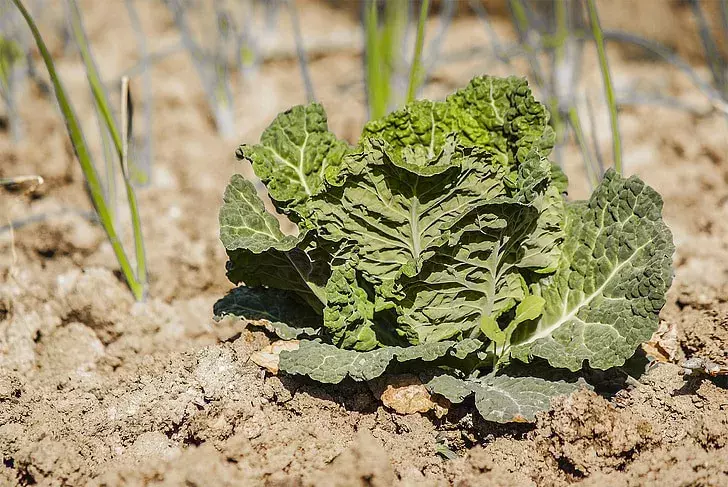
[(96, 389)]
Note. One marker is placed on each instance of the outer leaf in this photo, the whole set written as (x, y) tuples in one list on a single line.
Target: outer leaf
[(260, 254), (616, 267), (245, 223), (303, 270), (294, 153), (466, 347), (287, 316), (504, 398), (329, 364)]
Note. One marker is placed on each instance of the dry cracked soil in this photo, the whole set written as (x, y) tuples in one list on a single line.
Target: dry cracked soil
[(96, 389)]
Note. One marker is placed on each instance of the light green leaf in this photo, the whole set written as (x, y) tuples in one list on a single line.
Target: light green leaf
[(420, 125), (615, 269), (246, 224), (503, 398), (294, 153), (489, 327), (261, 255), (529, 309), (501, 115)]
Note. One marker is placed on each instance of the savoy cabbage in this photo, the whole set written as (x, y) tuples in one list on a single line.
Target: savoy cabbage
[(443, 241)]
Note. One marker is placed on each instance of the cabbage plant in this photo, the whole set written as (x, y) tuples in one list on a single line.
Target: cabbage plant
[(443, 243)]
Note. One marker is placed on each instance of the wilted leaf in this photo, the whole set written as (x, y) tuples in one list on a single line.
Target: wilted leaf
[(269, 356), (663, 346), (406, 394)]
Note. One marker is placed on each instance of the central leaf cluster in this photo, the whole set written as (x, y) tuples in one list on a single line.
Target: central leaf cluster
[(433, 228)]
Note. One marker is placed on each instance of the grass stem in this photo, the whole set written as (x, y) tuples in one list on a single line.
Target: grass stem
[(415, 76), (84, 158), (591, 172), (608, 85)]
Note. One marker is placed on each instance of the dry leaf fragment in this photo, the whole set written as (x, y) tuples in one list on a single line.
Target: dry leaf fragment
[(268, 356), (698, 365), (406, 394), (663, 346)]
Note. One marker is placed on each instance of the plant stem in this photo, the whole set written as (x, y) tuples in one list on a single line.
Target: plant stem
[(145, 175), (375, 95), (92, 73), (523, 26), (415, 77), (591, 173), (136, 224), (107, 121), (560, 40), (608, 85), (391, 42), (84, 157), (717, 68)]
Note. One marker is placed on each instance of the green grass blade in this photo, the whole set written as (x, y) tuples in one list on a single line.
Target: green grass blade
[(415, 77), (84, 156), (376, 96), (559, 58), (107, 123), (394, 31), (712, 55), (591, 172), (523, 26), (608, 85), (92, 73), (143, 158), (127, 117), (11, 74), (594, 136)]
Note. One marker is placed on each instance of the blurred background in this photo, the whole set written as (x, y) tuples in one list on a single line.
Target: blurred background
[(638, 84)]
